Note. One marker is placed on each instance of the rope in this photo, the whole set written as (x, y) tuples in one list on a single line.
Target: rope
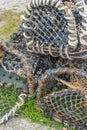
[(18, 104), (82, 7), (41, 36)]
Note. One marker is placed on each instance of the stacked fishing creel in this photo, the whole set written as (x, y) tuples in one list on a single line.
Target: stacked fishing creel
[(68, 104), (53, 28)]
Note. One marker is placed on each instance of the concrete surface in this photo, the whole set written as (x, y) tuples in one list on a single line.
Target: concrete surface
[(15, 5), (23, 124)]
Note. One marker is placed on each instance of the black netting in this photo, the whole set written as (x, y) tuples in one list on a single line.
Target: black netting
[(13, 63), (47, 26)]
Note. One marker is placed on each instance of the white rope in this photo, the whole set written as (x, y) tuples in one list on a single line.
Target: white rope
[(72, 37), (11, 113), (82, 7)]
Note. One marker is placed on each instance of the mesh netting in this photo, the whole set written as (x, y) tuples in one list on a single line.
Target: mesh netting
[(47, 26), (68, 99), (53, 29), (79, 82), (13, 63), (68, 104)]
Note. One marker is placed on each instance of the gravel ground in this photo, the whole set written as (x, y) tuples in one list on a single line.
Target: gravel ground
[(17, 123)]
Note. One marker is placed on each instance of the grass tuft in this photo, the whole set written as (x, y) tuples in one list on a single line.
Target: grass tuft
[(28, 110), (8, 98), (11, 22)]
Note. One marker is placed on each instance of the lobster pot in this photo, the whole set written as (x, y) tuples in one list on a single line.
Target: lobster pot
[(46, 26), (49, 25), (68, 106)]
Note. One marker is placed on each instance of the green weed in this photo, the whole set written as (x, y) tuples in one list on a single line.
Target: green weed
[(8, 98), (11, 22), (28, 110)]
